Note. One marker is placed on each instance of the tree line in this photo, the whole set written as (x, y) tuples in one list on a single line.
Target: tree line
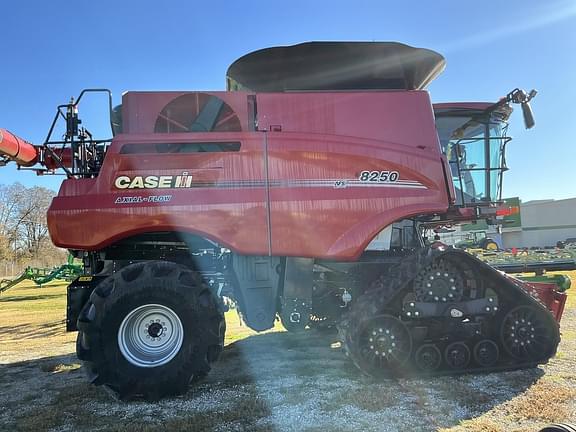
[(24, 237)]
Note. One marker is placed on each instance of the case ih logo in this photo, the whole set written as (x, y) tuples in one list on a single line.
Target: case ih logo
[(154, 182)]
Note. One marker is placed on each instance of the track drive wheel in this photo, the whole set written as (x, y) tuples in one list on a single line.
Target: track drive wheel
[(380, 345), (149, 330), (439, 282)]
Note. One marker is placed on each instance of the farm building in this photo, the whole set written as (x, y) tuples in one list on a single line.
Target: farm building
[(543, 223), (538, 223)]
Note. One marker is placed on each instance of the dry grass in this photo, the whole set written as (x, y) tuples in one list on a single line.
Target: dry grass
[(544, 401), (32, 323), (266, 382)]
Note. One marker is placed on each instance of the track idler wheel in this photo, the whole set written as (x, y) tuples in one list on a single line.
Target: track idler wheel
[(486, 353), (526, 335), (457, 355), (428, 358), (380, 345)]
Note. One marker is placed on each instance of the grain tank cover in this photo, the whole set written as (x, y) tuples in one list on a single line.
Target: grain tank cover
[(335, 66)]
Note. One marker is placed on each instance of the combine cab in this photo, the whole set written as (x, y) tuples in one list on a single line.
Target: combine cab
[(303, 192)]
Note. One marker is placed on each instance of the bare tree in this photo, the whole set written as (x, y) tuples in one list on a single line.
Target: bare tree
[(24, 235)]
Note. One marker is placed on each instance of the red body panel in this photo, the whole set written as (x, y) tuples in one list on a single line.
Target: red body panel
[(294, 187), (548, 294)]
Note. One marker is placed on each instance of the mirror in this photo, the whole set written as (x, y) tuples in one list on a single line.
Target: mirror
[(528, 116)]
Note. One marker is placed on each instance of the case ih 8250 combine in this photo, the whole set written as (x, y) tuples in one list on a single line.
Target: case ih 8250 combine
[(272, 193)]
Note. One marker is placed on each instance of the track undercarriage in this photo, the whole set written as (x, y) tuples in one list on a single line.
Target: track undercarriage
[(444, 312)]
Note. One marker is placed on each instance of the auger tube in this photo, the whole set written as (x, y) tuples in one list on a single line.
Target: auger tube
[(17, 149)]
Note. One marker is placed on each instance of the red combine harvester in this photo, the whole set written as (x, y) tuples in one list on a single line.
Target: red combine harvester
[(305, 191)]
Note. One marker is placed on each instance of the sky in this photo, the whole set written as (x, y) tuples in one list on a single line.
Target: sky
[(52, 50)]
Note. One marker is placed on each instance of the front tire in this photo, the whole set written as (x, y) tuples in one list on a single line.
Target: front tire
[(149, 330)]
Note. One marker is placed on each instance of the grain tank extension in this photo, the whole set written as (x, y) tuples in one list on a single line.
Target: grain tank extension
[(305, 192)]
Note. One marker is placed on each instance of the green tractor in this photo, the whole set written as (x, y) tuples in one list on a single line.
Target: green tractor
[(478, 240)]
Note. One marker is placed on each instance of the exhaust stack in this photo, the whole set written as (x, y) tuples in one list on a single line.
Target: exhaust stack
[(16, 149)]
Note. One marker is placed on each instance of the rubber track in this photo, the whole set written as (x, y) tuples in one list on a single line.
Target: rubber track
[(379, 299)]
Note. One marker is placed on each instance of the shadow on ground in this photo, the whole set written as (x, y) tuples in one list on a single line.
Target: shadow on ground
[(14, 299), (269, 382), (34, 331)]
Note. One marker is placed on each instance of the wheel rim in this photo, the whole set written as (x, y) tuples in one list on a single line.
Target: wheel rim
[(491, 246), (150, 335)]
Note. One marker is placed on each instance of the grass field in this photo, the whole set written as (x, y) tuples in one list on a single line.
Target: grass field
[(275, 381)]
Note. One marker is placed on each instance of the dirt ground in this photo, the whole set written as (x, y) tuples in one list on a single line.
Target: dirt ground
[(266, 382)]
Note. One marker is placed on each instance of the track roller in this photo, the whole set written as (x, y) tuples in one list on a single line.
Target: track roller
[(428, 358), (486, 353), (457, 355)]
